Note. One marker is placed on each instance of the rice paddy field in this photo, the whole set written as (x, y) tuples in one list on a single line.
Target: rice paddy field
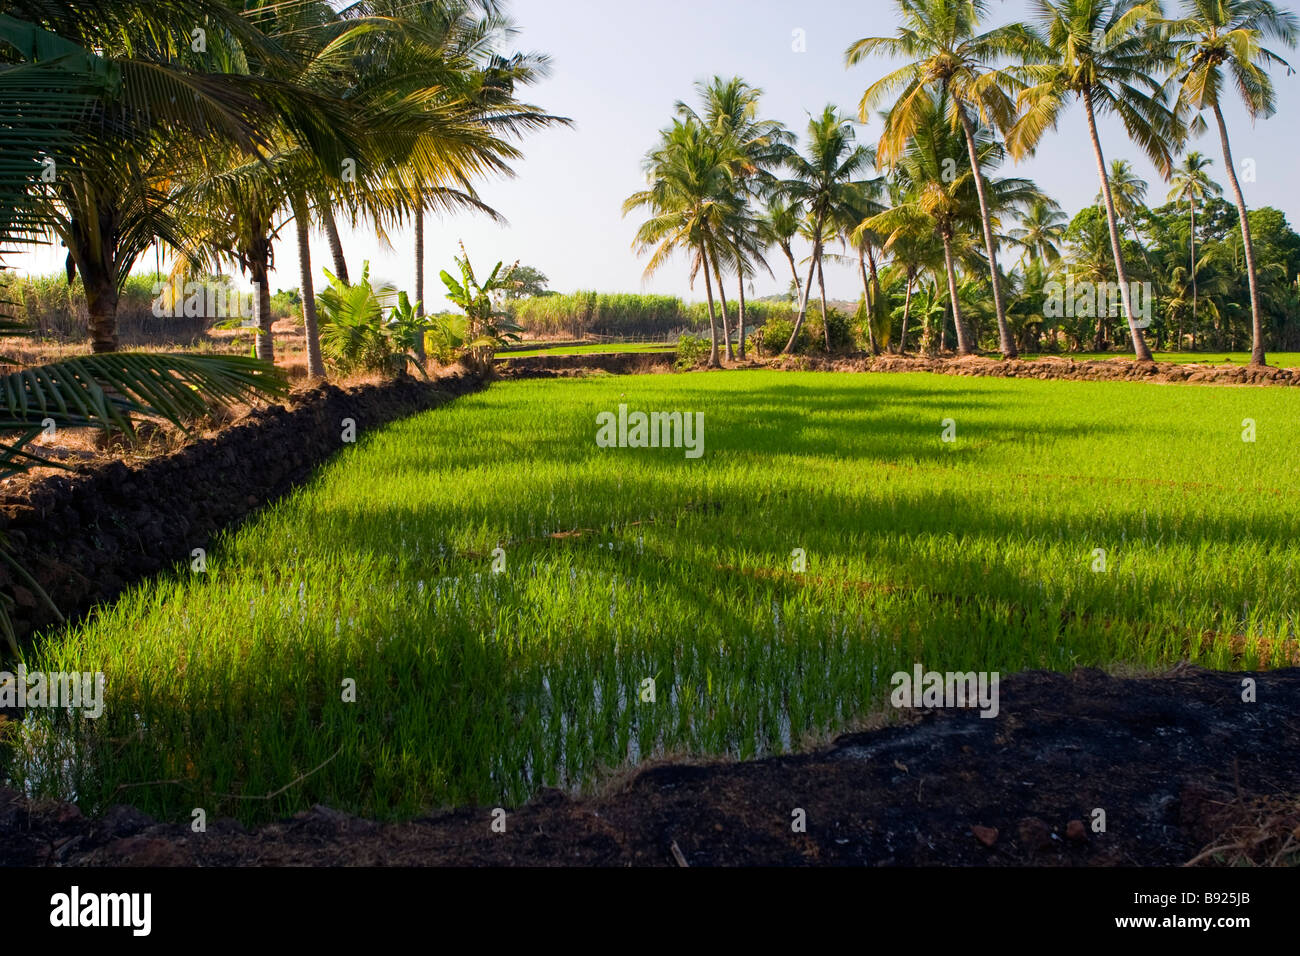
[(471, 604)]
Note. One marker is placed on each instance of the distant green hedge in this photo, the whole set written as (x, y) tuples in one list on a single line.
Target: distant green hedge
[(628, 314)]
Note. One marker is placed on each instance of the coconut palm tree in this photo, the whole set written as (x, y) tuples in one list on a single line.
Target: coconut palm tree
[(761, 146), (1192, 183), (1108, 55), (1214, 37), (435, 119), (778, 226), (935, 188), (867, 243), (824, 182), (691, 199), (949, 53), (1040, 232), (173, 108)]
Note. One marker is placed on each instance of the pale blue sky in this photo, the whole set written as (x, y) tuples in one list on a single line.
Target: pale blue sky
[(619, 67)]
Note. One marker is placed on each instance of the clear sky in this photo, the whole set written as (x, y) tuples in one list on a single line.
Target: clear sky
[(620, 65)]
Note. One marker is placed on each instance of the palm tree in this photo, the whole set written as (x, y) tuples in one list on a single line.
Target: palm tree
[(1041, 230), (949, 54), (932, 187), (169, 108), (691, 198), (761, 146), (866, 242), (1092, 257), (1193, 183), (778, 226), (1108, 54), (824, 183), (1218, 35)]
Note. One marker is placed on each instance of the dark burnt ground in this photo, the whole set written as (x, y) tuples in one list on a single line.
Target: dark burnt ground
[(1175, 761)]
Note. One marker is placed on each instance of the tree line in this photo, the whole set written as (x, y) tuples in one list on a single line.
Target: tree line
[(207, 127), (927, 216)]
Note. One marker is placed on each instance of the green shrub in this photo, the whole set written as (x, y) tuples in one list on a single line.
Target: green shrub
[(692, 351), (775, 333), (842, 336)]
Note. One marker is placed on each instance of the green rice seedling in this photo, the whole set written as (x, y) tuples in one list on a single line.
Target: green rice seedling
[(482, 600)]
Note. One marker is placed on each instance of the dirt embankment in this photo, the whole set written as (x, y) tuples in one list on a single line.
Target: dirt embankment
[(1045, 367), (87, 535), (561, 366), (1179, 765), (1109, 370)]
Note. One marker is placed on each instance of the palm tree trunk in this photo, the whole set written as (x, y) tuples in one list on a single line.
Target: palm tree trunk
[(875, 297), (1140, 350), (803, 298), (1256, 316), (826, 322), (335, 244), (870, 302), (740, 332), (713, 321), (907, 310), (963, 344), (1005, 340), (1191, 237), (301, 216), (419, 261), (101, 303), (258, 257), (722, 300), (794, 270)]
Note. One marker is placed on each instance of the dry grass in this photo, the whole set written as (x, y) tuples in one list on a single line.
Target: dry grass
[(1260, 831)]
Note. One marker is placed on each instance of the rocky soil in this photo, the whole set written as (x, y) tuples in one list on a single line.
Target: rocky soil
[(86, 535)]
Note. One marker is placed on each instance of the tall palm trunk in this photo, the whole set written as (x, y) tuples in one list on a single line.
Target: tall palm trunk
[(1256, 316), (419, 281), (794, 269), (907, 310), (335, 243), (869, 300), (302, 219), (826, 319), (713, 321), (1006, 342), (803, 295), (1140, 350), (875, 296), (257, 256), (1192, 239), (740, 329), (963, 340), (722, 300), (419, 260)]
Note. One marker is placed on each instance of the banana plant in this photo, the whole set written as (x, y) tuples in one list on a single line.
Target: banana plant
[(489, 327)]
